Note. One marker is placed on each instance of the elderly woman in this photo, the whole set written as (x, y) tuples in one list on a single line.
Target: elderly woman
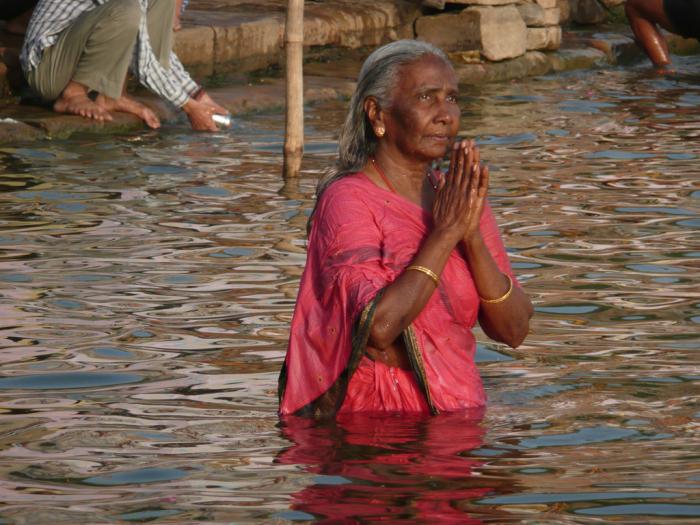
[(402, 259)]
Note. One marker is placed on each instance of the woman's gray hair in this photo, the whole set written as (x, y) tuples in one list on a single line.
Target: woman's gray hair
[(378, 76)]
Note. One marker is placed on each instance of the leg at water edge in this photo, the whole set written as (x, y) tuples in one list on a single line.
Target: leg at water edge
[(645, 18)]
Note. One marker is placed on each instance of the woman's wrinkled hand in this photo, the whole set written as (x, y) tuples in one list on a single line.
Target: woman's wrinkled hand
[(461, 194)]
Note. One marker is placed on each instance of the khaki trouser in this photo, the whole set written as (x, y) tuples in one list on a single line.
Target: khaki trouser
[(97, 48)]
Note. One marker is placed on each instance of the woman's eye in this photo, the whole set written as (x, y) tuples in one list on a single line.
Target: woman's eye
[(424, 96), (452, 98)]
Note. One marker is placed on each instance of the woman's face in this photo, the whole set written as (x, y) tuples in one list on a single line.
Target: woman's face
[(424, 117)]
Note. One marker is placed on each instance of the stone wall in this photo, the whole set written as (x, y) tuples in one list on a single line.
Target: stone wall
[(493, 30)]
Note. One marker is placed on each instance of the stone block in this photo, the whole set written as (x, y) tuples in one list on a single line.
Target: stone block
[(194, 46), (682, 46), (530, 12), (354, 27), (502, 32), (570, 59), (13, 131), (587, 12), (617, 47), (564, 11), (535, 15), (547, 4), (551, 17), (543, 38), (59, 126), (531, 63), (484, 2), (450, 31), (247, 40)]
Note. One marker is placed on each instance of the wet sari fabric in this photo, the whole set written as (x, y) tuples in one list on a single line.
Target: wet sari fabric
[(362, 239)]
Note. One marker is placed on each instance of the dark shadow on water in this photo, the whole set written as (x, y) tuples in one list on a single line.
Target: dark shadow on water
[(378, 468)]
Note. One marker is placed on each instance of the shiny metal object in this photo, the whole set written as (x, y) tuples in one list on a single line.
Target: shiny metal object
[(223, 121)]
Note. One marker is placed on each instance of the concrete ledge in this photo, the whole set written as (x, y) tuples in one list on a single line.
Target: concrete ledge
[(15, 131), (530, 64), (617, 48), (570, 59), (194, 46), (26, 123), (270, 95), (255, 44)]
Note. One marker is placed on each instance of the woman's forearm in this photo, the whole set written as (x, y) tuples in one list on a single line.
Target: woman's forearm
[(505, 321), (406, 297), (508, 320)]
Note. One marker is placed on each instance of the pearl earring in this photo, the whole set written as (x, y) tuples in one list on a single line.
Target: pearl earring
[(380, 132)]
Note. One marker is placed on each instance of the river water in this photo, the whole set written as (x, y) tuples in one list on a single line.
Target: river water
[(148, 281)]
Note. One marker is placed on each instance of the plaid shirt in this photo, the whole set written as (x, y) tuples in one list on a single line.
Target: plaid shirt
[(51, 17)]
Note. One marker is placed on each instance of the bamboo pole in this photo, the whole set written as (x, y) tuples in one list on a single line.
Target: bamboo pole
[(294, 126)]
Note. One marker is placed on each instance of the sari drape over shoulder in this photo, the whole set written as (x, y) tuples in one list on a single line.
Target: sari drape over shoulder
[(362, 238)]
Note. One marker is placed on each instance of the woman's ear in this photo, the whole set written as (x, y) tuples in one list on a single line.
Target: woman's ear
[(375, 115), (371, 109)]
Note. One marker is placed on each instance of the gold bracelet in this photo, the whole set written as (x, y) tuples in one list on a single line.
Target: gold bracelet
[(426, 271), (504, 296)]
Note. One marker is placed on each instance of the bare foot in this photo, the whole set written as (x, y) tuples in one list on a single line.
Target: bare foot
[(127, 104), (75, 101), (665, 70)]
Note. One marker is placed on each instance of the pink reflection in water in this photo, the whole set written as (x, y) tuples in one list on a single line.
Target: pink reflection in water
[(380, 468)]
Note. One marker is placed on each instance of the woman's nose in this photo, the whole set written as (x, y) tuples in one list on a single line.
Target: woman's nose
[(445, 112)]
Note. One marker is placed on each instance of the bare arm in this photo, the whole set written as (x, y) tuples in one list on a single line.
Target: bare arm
[(406, 297), (505, 321)]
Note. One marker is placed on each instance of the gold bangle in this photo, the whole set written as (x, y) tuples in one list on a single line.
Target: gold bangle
[(504, 296), (426, 271)]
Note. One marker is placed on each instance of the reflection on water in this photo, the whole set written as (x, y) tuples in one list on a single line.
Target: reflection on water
[(148, 281), (397, 468)]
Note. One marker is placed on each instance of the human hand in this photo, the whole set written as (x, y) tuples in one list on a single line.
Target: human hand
[(461, 194), (204, 98), (477, 190), (199, 115)]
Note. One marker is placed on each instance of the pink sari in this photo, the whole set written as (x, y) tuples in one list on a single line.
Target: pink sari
[(362, 238)]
